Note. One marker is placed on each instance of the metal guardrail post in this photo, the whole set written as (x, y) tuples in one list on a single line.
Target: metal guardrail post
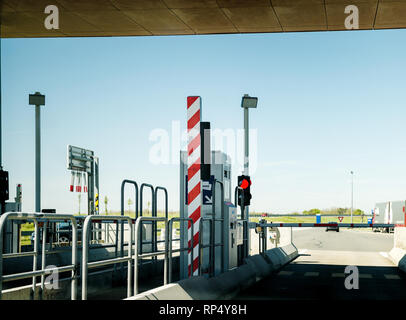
[(201, 245), (137, 255), (43, 255), (152, 210), (181, 248), (35, 273), (156, 211), (122, 198), (35, 258), (125, 181), (85, 251)]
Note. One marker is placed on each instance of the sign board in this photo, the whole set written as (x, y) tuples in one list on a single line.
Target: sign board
[(207, 188), (340, 219), (79, 159)]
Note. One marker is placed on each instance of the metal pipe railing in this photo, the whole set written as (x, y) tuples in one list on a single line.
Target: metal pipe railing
[(43, 255), (202, 245), (155, 234), (126, 181), (85, 252), (181, 248), (137, 255), (152, 210), (36, 218)]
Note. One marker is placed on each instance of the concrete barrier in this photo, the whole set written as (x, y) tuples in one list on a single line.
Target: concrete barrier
[(228, 284), (398, 253)]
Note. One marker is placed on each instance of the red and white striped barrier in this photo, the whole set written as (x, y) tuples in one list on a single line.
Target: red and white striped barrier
[(84, 182), (79, 182), (343, 225), (72, 181), (194, 183)]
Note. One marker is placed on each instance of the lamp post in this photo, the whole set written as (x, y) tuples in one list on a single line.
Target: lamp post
[(247, 102), (37, 100)]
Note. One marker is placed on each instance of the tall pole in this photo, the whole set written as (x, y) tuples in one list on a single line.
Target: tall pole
[(37, 100), (246, 172), (352, 192), (1, 129), (37, 158), (246, 103), (246, 144)]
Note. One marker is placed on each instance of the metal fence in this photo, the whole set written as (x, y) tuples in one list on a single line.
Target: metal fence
[(85, 251), (181, 249), (138, 255), (38, 218)]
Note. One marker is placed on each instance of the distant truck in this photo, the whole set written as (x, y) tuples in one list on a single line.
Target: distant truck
[(391, 212)]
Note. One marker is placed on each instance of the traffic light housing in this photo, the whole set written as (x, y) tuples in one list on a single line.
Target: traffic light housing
[(244, 184), (4, 191)]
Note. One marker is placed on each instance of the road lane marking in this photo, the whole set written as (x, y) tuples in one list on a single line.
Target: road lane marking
[(392, 276), (338, 275), (303, 251), (285, 273), (384, 254), (365, 276), (311, 274)]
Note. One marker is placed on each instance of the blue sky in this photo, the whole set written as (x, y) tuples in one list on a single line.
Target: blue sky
[(329, 103)]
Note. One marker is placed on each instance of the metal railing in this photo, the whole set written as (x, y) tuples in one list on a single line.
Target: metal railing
[(85, 252), (138, 255), (153, 213), (203, 246), (155, 234), (37, 218), (181, 249), (134, 183)]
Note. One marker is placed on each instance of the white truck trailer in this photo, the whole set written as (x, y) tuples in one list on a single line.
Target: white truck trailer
[(391, 212)]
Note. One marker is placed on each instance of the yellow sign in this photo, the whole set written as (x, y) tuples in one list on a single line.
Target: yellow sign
[(26, 230)]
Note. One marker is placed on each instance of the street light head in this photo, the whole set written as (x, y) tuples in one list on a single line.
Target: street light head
[(36, 99), (249, 102)]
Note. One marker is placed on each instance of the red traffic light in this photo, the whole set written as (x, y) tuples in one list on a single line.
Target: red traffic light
[(245, 183)]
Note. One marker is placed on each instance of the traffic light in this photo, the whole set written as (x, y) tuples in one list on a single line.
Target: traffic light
[(244, 182), (4, 196)]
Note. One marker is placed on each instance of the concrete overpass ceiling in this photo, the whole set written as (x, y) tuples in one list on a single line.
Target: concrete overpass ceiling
[(25, 18)]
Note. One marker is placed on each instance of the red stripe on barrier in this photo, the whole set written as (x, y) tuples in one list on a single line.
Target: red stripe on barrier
[(194, 144), (193, 193), (195, 215), (190, 101), (194, 120), (195, 263), (193, 169), (195, 241)]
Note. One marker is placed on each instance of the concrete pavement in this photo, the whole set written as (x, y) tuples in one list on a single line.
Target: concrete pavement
[(318, 273)]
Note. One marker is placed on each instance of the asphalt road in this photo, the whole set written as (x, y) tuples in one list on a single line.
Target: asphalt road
[(318, 273), (344, 240)]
